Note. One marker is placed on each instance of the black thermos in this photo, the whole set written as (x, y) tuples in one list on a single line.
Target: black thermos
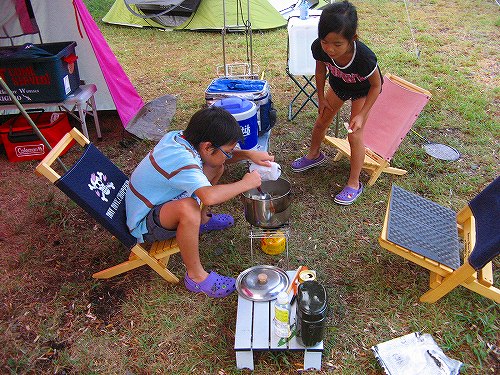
[(311, 312)]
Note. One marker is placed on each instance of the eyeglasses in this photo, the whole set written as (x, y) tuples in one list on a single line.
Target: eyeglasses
[(228, 155)]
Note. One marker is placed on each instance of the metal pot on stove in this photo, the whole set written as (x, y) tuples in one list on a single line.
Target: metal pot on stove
[(270, 207), (312, 306)]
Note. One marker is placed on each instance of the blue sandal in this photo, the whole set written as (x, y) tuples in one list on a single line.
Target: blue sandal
[(348, 195), (215, 285), (303, 163), (217, 222)]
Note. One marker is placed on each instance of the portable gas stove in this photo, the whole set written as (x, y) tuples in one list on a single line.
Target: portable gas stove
[(257, 233)]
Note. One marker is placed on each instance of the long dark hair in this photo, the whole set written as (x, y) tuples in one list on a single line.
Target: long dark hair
[(340, 18)]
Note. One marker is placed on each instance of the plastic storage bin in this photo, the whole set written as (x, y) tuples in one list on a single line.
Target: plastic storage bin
[(39, 73)]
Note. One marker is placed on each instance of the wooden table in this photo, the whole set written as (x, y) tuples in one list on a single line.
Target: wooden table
[(255, 332)]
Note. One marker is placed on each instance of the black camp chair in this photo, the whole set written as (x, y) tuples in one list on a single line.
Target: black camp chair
[(99, 187), (428, 234)]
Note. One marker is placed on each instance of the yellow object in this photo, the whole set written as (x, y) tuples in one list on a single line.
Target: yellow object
[(273, 245)]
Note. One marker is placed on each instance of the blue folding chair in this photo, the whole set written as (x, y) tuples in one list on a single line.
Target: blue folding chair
[(99, 187), (428, 234)]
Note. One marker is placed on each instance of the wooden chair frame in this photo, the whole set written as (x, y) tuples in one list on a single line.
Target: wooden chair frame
[(159, 253), (444, 279), (374, 164)]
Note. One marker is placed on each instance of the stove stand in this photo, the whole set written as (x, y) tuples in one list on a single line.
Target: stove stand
[(259, 233)]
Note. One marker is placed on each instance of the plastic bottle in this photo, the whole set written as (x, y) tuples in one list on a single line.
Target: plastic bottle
[(304, 10), (282, 316)]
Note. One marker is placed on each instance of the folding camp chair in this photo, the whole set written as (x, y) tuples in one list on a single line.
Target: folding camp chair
[(428, 234), (301, 66), (99, 187), (389, 120)]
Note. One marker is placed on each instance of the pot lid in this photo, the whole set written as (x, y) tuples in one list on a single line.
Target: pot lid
[(262, 283)]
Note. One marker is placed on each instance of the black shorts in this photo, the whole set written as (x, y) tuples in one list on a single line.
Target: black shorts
[(346, 95), (155, 231)]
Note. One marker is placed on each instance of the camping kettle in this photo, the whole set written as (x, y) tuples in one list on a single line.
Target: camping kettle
[(312, 307)]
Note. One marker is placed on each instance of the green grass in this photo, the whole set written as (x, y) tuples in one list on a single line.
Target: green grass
[(136, 323)]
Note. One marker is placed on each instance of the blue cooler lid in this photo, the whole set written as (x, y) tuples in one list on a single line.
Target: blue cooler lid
[(234, 105)]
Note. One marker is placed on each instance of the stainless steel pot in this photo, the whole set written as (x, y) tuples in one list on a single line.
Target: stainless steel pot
[(271, 209)]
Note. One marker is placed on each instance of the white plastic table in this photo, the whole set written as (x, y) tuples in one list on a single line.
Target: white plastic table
[(255, 332), (81, 101)]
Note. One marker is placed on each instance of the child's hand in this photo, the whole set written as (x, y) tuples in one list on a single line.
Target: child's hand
[(322, 105), (356, 123), (252, 179), (261, 158)]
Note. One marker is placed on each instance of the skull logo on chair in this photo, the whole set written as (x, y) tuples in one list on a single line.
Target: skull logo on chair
[(99, 184)]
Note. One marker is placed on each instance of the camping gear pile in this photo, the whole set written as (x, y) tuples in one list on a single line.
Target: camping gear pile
[(44, 22)]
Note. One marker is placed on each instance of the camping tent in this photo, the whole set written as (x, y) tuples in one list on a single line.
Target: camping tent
[(69, 20), (209, 15), (118, 14)]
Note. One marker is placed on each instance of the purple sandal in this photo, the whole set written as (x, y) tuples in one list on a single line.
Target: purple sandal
[(217, 222), (215, 285), (303, 163), (348, 195)]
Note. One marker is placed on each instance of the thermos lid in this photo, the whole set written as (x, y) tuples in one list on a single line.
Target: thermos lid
[(312, 300), (235, 105)]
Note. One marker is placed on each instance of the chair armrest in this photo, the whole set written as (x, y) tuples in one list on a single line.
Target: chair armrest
[(44, 168), (408, 85)]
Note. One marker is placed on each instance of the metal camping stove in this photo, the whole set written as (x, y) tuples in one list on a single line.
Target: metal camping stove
[(257, 233)]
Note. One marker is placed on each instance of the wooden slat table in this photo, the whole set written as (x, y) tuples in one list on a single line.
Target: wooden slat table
[(255, 332)]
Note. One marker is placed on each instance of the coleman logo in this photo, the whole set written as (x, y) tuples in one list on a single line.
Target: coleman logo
[(29, 150)]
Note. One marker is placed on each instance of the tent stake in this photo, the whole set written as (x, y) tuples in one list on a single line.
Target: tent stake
[(28, 118)]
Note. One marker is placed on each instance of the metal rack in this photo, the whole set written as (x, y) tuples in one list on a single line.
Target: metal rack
[(259, 233), (243, 70)]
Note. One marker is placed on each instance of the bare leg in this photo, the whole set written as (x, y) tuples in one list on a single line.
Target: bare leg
[(213, 175), (184, 214), (357, 147), (323, 123)]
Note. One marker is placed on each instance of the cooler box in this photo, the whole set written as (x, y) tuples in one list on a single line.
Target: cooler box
[(245, 112), (39, 73), (22, 143), (257, 91)]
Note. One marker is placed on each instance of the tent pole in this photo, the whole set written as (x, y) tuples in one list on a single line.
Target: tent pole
[(249, 30), (223, 39), (28, 118)]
